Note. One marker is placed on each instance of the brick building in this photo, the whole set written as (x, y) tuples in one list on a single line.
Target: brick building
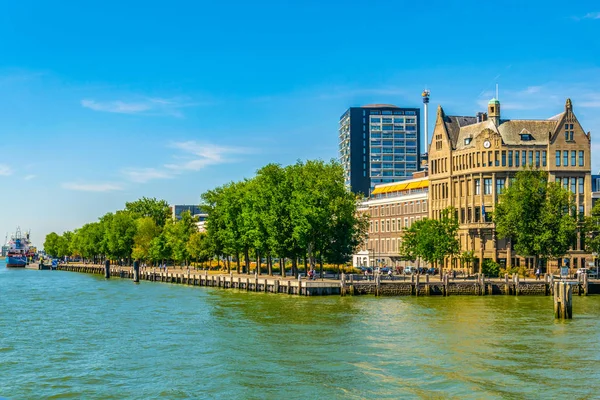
[(392, 207)]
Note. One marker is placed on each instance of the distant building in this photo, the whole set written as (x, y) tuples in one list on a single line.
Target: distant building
[(379, 143), (195, 211), (595, 189), (392, 208)]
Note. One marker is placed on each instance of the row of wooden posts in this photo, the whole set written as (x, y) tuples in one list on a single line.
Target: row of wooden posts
[(562, 291)]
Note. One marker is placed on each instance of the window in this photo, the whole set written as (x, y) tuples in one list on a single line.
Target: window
[(393, 225), (530, 158), (558, 181), (376, 226), (580, 185), (543, 158), (573, 185), (523, 158), (487, 186), (477, 186), (581, 163), (500, 182), (467, 141), (504, 158), (510, 158), (558, 158), (497, 158), (565, 158), (516, 158), (537, 158), (573, 158)]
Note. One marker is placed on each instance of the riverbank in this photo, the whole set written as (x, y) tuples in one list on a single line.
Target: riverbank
[(413, 285)]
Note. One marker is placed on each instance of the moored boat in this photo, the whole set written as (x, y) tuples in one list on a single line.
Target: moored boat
[(18, 252)]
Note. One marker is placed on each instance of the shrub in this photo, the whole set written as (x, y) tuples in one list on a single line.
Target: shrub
[(490, 268)]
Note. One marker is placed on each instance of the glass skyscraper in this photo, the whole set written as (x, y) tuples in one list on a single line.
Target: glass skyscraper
[(379, 143)]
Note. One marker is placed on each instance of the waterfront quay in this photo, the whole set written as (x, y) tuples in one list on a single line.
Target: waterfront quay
[(347, 284)]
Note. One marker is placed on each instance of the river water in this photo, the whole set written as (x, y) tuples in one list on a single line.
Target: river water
[(69, 335)]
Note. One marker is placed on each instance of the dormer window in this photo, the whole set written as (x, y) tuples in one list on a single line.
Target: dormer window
[(526, 137), (467, 140)]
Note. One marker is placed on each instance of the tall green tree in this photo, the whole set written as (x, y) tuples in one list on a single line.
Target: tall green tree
[(119, 235), (431, 239), (592, 230), (536, 216), (146, 231), (177, 235), (158, 210)]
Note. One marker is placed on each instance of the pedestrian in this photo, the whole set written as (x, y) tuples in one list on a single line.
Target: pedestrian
[(537, 274), (390, 274)]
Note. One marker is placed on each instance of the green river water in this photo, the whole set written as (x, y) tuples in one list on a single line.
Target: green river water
[(69, 335)]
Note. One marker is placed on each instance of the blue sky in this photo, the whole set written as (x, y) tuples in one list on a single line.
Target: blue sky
[(103, 102)]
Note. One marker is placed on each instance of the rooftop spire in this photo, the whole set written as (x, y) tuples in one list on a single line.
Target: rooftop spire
[(568, 105)]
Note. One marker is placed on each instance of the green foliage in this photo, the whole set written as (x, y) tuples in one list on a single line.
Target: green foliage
[(302, 209), (159, 249), (536, 215), (592, 230), (430, 239), (177, 235), (490, 268), (158, 210), (146, 231), (119, 235), (199, 247)]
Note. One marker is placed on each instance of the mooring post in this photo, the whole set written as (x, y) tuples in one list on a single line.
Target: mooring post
[(563, 300), (377, 284), (136, 271), (585, 284), (107, 269), (417, 285), (446, 285), (343, 284), (516, 279)]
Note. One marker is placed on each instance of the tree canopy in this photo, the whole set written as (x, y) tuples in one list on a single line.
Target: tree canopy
[(537, 216)]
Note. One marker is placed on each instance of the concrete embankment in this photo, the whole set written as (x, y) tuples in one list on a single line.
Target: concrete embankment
[(349, 284)]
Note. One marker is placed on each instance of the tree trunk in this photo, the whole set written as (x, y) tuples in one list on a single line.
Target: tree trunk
[(295, 267), (228, 265), (321, 266), (258, 262), (282, 266), (237, 257), (270, 264), (246, 261), (305, 265)]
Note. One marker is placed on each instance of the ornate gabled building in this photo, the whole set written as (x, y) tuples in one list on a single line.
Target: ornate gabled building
[(471, 161)]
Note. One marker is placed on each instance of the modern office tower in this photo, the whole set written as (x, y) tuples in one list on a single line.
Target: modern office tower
[(379, 143)]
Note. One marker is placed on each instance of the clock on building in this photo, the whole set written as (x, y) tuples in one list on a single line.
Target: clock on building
[(487, 144)]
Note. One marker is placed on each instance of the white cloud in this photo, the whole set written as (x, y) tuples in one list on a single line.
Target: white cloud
[(29, 177), (592, 15), (531, 90), (5, 170), (201, 155), (143, 175), (91, 187), (143, 106)]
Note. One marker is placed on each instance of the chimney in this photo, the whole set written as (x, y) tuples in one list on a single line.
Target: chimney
[(481, 116)]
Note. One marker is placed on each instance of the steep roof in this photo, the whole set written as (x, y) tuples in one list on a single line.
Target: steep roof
[(454, 124), (512, 131)]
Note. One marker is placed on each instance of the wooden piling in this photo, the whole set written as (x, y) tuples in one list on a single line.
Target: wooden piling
[(563, 300), (136, 271), (107, 269)]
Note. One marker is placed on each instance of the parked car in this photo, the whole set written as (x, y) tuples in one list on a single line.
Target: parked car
[(590, 273), (409, 269)]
